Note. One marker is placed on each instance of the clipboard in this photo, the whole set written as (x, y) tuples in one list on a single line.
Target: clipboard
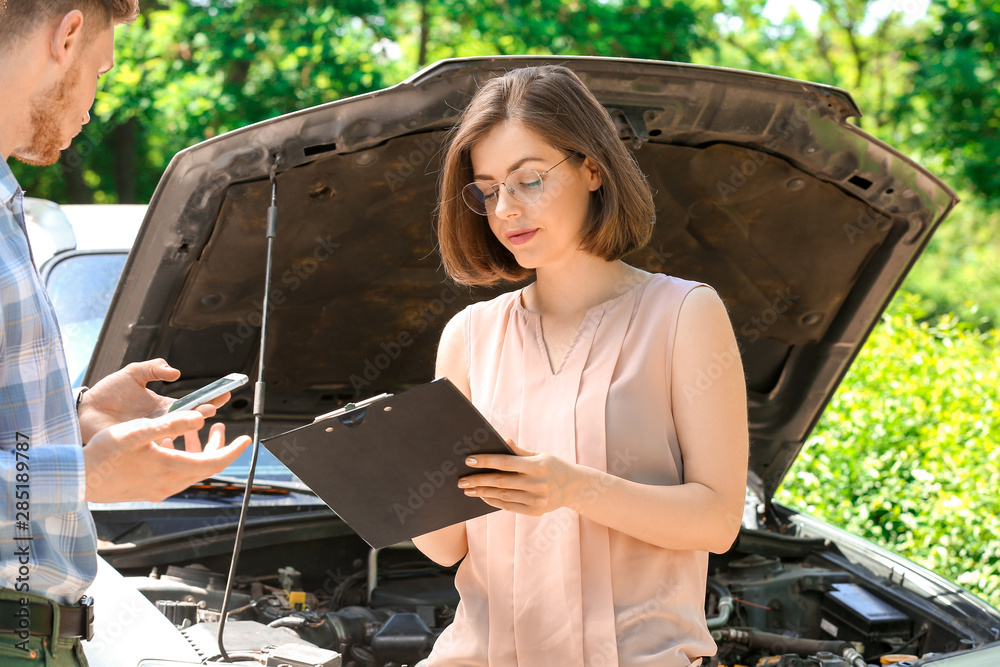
[(389, 466)]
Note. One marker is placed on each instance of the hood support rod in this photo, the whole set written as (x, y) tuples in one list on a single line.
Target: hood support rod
[(258, 399)]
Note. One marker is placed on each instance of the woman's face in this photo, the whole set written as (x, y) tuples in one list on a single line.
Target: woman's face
[(548, 231)]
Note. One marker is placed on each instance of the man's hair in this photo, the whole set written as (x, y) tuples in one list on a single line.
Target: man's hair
[(554, 103), (19, 17)]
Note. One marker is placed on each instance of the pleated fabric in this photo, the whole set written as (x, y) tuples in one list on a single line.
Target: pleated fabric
[(560, 589)]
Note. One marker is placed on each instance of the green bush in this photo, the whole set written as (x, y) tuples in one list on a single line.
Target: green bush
[(959, 271), (907, 454)]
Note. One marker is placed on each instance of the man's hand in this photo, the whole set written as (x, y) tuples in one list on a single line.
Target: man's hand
[(122, 396), (136, 460)]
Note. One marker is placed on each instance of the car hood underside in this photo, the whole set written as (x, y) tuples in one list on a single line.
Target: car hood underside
[(764, 189)]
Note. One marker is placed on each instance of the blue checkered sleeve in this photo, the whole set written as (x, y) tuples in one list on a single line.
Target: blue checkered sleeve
[(48, 543)]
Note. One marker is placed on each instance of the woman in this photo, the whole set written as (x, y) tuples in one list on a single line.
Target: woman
[(628, 470)]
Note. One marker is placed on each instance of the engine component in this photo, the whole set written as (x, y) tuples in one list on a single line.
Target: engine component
[(285, 655), (241, 636), (723, 603), (780, 644), (189, 584), (755, 567), (290, 581), (180, 613), (297, 655), (821, 659), (850, 610), (289, 578), (404, 639), (342, 631)]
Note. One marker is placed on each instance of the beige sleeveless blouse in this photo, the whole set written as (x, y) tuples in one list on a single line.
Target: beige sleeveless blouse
[(560, 589)]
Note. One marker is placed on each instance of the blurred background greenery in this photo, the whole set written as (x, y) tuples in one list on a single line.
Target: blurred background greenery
[(912, 434)]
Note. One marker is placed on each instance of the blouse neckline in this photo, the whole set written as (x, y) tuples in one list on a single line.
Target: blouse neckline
[(519, 299)]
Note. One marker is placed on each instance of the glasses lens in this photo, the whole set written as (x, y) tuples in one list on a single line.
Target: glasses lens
[(525, 185), (480, 197)]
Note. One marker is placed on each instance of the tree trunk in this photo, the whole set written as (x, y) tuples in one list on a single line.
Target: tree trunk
[(72, 168), (125, 149), (425, 28)]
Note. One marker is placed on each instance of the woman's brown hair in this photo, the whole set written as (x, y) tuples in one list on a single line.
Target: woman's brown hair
[(551, 101)]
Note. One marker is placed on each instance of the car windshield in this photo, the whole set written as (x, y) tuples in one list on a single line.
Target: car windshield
[(80, 286)]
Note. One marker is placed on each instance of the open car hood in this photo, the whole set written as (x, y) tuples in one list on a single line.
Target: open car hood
[(803, 223)]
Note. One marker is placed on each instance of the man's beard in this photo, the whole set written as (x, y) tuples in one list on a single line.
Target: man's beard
[(48, 113)]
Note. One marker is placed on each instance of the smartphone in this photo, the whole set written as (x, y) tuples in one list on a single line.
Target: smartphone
[(203, 395)]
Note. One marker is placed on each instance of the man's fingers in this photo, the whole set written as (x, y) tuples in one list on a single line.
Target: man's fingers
[(206, 409), (216, 461), (192, 443), (143, 431), (152, 370), (219, 401), (216, 438)]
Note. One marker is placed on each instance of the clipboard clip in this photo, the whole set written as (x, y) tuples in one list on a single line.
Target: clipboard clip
[(349, 415), (353, 418)]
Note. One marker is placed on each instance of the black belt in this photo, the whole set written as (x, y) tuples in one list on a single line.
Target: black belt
[(36, 617)]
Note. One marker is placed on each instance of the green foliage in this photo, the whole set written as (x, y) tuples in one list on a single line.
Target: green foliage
[(906, 453), (628, 28), (956, 107), (960, 269), (188, 70)]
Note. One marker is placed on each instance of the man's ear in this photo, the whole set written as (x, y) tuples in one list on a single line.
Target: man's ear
[(68, 37)]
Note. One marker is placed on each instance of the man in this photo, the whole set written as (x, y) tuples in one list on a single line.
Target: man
[(52, 53)]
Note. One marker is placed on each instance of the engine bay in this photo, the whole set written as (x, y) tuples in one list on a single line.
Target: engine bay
[(772, 599)]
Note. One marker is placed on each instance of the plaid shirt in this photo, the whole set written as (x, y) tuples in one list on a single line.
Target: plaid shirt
[(48, 543)]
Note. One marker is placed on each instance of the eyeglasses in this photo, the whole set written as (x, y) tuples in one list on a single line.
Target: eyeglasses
[(524, 185)]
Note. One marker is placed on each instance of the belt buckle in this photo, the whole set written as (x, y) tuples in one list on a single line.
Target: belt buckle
[(87, 607)]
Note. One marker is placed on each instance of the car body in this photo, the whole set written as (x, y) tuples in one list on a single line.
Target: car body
[(764, 188), (80, 251)]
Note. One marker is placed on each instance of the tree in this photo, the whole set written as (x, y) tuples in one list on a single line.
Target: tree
[(189, 70), (955, 108)]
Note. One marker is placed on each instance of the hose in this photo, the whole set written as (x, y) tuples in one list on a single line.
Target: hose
[(725, 605), (778, 644)]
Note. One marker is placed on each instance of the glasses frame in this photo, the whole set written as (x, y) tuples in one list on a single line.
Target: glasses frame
[(495, 187)]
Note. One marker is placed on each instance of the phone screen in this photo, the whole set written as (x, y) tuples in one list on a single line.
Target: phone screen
[(207, 393), (204, 394)]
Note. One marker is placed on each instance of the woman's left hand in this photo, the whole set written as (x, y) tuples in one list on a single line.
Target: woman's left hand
[(530, 483)]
